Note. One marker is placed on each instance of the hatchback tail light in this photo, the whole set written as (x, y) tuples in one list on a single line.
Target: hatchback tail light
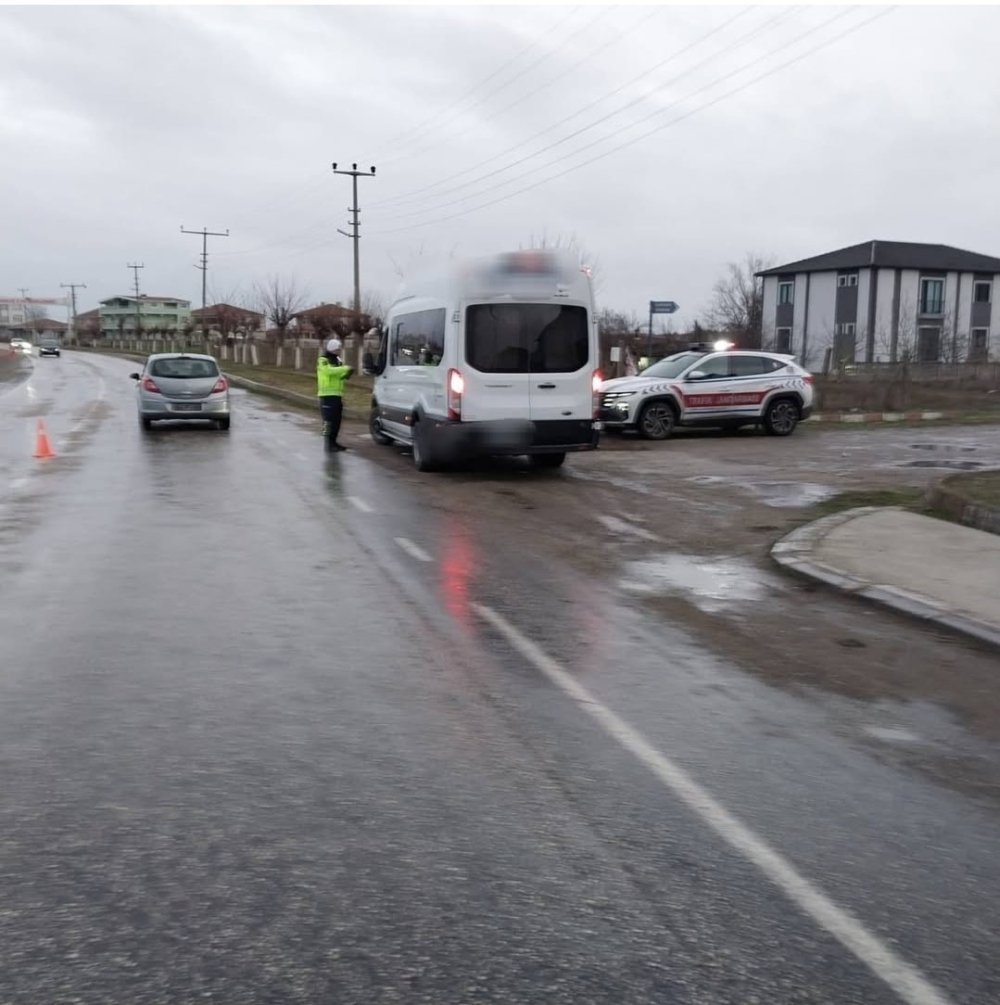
[(456, 387), (150, 385), (808, 378), (220, 385)]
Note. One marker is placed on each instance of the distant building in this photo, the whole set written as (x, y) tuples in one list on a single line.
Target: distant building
[(18, 313), (46, 326), (228, 320), (884, 301), (326, 320), (13, 313), (118, 314)]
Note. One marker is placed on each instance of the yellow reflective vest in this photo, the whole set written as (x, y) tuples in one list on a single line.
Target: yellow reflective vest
[(330, 379)]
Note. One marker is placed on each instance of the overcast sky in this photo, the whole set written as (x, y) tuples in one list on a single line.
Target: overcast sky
[(638, 132)]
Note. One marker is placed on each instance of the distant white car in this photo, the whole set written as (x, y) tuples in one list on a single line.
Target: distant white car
[(21, 345), (728, 389)]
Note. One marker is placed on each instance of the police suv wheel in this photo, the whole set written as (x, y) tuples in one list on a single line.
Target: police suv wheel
[(656, 421), (781, 417)]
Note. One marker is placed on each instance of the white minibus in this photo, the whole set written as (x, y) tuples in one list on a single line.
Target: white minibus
[(494, 356)]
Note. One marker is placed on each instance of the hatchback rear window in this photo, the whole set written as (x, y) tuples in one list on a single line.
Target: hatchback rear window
[(183, 368), (526, 338)]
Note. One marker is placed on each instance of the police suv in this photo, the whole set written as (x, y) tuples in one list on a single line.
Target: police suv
[(727, 389)]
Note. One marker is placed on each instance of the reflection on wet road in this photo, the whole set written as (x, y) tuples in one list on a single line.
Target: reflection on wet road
[(275, 727)]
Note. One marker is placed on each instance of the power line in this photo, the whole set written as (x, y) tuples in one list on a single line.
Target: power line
[(400, 155), (610, 115), (656, 129), (580, 111), (655, 114), (420, 126)]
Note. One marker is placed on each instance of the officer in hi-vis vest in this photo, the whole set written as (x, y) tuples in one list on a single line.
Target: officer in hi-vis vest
[(331, 375)]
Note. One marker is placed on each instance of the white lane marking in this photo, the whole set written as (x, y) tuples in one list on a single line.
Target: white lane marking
[(618, 526), (300, 456), (18, 483), (412, 549), (359, 504), (908, 982)]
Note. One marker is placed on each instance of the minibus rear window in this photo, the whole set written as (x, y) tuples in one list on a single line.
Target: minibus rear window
[(526, 338)]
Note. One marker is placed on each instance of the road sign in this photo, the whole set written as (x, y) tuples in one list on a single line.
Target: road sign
[(662, 307)]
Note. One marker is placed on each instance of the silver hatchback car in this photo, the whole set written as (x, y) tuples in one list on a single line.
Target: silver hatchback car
[(182, 387)]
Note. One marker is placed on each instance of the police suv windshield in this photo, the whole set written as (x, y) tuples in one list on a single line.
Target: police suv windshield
[(672, 366)]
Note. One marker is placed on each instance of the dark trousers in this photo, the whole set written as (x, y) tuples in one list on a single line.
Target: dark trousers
[(331, 407)]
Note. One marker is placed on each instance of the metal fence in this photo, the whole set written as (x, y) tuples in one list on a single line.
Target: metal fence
[(984, 375)]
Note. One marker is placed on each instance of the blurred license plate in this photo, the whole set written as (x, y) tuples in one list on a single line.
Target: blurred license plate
[(187, 406)]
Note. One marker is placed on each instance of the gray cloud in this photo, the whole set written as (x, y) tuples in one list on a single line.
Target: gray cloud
[(120, 124)]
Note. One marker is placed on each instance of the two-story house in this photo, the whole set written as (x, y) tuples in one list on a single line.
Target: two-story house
[(884, 301), (121, 315)]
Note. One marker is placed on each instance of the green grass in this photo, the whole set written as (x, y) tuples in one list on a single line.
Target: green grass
[(982, 487), (357, 391), (910, 498)]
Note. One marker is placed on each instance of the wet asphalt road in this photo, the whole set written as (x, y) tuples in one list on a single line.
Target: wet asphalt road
[(261, 742)]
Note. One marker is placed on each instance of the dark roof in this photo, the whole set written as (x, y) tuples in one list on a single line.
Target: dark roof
[(325, 310), (893, 255), (213, 309), (145, 296)]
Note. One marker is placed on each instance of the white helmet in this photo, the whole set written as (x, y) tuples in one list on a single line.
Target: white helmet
[(334, 345)]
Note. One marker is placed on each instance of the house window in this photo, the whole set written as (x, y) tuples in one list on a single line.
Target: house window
[(783, 340), (979, 347), (932, 296), (786, 293), (847, 328), (847, 279), (929, 344), (982, 291)]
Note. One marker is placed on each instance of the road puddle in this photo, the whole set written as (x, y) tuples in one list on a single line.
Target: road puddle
[(712, 584), (946, 464), (782, 495)]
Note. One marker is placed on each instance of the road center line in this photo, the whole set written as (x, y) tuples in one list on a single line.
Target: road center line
[(412, 549), (908, 982), (359, 504)]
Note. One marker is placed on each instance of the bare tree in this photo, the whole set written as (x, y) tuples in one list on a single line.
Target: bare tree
[(572, 244), (280, 300), (737, 304)]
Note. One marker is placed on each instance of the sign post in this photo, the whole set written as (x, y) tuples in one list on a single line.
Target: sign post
[(657, 307)]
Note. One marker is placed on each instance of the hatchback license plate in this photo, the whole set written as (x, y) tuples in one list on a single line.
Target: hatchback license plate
[(187, 406)]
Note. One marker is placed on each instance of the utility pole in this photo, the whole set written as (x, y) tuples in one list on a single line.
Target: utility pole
[(355, 228), (73, 287), (138, 318), (205, 235)]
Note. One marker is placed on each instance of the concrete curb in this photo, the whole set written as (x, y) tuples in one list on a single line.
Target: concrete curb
[(292, 397), (947, 497), (864, 417), (795, 552)]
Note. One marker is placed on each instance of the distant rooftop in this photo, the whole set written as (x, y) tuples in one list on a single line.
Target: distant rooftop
[(893, 255)]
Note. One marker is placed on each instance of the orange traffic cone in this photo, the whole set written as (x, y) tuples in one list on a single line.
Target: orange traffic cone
[(43, 449)]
